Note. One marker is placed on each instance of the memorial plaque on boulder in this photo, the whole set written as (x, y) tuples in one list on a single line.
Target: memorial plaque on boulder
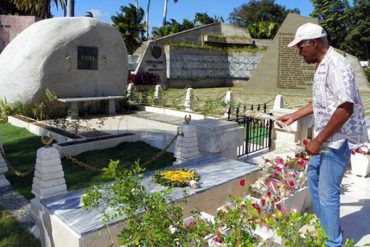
[(87, 58)]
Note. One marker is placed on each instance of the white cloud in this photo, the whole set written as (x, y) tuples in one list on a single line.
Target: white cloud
[(96, 12)]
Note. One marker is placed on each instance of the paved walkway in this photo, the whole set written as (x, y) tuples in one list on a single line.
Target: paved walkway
[(17, 205)]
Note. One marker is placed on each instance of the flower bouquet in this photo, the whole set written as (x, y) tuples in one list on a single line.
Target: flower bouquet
[(360, 161), (282, 179), (176, 178)]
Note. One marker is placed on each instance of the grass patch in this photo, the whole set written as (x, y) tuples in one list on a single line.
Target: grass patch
[(258, 135), (12, 234), (21, 146)]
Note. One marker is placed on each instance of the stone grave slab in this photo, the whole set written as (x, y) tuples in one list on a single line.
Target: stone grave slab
[(219, 177)]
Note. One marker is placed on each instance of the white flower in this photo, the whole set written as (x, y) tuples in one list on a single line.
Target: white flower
[(194, 184)]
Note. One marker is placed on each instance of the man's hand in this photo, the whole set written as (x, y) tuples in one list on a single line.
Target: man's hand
[(286, 119), (313, 147)]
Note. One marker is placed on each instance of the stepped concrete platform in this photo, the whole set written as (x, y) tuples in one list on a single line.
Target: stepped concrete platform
[(67, 224)]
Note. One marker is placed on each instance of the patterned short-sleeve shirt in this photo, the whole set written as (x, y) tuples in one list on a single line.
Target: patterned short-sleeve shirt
[(335, 84)]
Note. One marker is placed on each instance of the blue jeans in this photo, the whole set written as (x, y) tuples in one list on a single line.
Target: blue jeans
[(325, 173)]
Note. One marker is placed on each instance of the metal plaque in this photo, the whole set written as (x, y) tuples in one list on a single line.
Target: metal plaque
[(87, 58)]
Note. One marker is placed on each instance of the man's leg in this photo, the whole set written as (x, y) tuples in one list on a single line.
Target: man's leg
[(333, 166), (313, 173)]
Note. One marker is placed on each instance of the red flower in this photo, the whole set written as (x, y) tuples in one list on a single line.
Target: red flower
[(278, 169), (263, 202), (305, 142), (268, 194), (255, 206), (291, 183), (301, 163), (217, 239), (297, 155), (242, 182)]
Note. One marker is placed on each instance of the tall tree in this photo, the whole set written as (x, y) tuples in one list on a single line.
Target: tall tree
[(357, 40), (8, 7), (165, 11), (70, 8), (130, 23), (40, 8), (147, 19), (204, 19), (259, 11), (89, 14), (333, 17)]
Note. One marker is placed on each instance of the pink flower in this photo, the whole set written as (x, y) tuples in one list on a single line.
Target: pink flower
[(242, 182), (302, 163), (255, 206), (217, 239), (268, 193), (297, 155), (278, 169), (291, 183), (263, 202), (279, 160)]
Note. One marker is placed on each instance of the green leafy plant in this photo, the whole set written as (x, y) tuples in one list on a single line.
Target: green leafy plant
[(151, 219), (236, 224), (367, 72), (289, 228)]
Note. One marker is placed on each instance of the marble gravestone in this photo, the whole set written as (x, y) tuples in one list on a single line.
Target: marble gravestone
[(71, 56), (283, 70)]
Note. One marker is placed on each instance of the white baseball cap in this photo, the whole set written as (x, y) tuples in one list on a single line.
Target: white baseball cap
[(307, 31)]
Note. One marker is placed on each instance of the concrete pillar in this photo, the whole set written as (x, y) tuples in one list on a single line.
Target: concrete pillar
[(229, 101), (189, 100), (112, 107), (3, 169), (48, 181), (219, 137), (186, 147), (278, 102)]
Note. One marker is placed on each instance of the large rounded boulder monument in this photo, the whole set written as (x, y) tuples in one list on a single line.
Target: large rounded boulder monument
[(71, 56)]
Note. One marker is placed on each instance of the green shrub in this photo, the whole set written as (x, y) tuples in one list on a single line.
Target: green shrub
[(367, 72)]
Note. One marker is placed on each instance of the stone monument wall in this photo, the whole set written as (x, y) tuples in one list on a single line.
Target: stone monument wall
[(12, 25), (283, 70), (208, 68), (155, 60)]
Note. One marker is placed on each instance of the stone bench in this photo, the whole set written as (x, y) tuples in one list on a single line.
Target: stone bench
[(74, 103)]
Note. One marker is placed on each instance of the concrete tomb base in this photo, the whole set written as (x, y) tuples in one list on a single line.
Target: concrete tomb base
[(65, 223)]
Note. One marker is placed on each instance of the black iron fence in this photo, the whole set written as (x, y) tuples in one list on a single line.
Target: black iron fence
[(257, 131)]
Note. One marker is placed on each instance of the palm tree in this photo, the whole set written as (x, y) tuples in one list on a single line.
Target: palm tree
[(129, 21), (70, 8), (147, 19), (39, 8), (89, 14), (165, 11)]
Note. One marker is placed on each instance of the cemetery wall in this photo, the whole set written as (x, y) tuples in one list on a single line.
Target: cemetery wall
[(201, 68), (156, 60), (12, 25)]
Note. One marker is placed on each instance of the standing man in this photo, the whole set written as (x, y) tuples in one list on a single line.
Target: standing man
[(339, 124)]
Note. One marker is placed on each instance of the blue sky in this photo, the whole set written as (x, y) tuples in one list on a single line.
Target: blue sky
[(104, 9)]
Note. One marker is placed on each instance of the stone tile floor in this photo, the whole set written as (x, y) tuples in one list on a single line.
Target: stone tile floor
[(355, 208)]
